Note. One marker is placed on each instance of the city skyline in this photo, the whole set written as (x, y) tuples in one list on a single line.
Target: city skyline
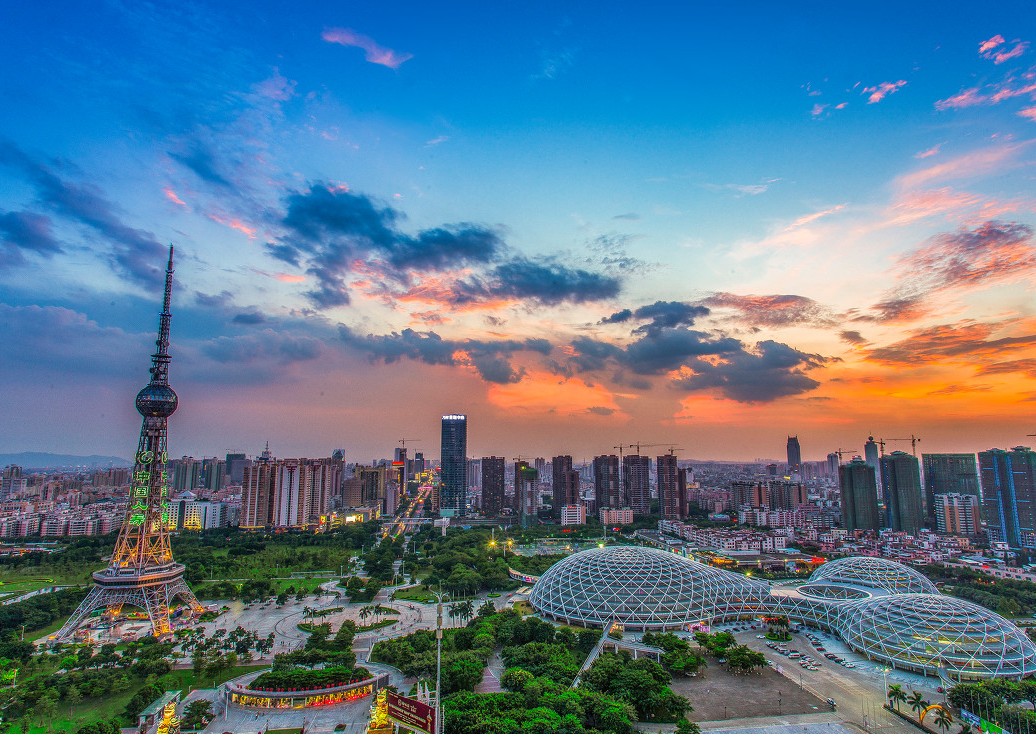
[(719, 241)]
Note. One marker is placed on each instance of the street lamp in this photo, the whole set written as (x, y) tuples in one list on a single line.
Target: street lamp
[(439, 596)]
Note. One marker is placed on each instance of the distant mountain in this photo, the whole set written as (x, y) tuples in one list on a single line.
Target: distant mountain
[(42, 460)]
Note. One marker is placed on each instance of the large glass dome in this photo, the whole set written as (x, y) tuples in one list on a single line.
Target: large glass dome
[(933, 634), (874, 573), (642, 588)]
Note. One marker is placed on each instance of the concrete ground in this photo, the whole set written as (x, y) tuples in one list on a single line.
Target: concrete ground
[(719, 695)]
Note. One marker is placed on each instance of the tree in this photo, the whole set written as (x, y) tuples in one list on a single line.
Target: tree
[(917, 703), (73, 696), (198, 661), (46, 706), (683, 726), (742, 659), (943, 718), (896, 695), (197, 714)]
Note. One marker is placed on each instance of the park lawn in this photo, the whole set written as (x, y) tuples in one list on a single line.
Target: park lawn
[(23, 586), (523, 608), (376, 625), (185, 681), (417, 593), (307, 585)]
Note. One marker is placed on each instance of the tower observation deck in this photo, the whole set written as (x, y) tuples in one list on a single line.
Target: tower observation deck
[(142, 572)]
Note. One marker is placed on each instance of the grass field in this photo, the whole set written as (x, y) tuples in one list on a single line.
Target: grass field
[(417, 593)]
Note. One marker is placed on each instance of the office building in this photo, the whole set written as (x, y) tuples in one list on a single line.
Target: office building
[(794, 455), (747, 494), (1009, 495), (957, 514), (668, 486), (492, 485), (526, 492), (945, 474), (453, 488), (616, 516), (901, 492), (607, 487), (636, 479), (573, 515), (859, 496)]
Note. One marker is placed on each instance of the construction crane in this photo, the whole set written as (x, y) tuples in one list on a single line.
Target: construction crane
[(913, 443), (638, 446), (403, 441)]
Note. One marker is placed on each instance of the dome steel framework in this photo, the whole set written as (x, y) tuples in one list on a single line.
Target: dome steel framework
[(642, 588), (875, 573), (933, 634), (872, 604)]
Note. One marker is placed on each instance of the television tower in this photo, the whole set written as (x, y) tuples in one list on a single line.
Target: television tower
[(141, 571)]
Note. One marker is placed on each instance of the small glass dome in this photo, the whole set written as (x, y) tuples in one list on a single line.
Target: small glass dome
[(874, 573)]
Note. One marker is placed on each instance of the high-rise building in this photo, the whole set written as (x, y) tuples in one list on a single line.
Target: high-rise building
[(236, 464), (945, 474), (668, 486), (794, 454), (540, 465), (565, 484), (1009, 495), (453, 489), (681, 490), (747, 494), (636, 479), (782, 495), (957, 514), (871, 456), (492, 485), (257, 494), (901, 492), (526, 492), (859, 496), (607, 488), (419, 466), (474, 474), (832, 465)]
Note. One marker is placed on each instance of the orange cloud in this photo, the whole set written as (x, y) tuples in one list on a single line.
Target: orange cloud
[(171, 195), (543, 393), (288, 278), (879, 92), (979, 163)]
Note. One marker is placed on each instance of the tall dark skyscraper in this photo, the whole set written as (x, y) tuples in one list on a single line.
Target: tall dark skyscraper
[(453, 487), (901, 492), (565, 484), (492, 485), (859, 496), (636, 480), (948, 474), (668, 486), (1009, 495), (794, 454), (607, 487), (870, 454)]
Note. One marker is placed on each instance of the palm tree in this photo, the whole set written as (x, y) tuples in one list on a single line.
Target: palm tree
[(467, 609), (366, 612), (307, 612), (917, 702), (943, 718), (896, 695)]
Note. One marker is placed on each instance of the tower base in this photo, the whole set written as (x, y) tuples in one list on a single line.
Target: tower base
[(151, 589)]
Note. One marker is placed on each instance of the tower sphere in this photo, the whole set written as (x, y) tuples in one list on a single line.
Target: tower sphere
[(156, 400)]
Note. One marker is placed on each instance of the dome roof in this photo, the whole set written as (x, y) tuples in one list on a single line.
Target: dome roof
[(642, 588), (874, 573), (931, 632)]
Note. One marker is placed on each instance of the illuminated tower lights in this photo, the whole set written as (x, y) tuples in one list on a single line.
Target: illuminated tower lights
[(141, 571)]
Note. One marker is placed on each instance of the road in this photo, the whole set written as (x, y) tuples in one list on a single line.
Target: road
[(859, 692)]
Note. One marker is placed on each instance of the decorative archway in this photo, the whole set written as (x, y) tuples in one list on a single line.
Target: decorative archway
[(931, 707)]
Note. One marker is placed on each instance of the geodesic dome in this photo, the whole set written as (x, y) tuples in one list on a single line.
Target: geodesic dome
[(930, 633), (874, 573), (642, 588)]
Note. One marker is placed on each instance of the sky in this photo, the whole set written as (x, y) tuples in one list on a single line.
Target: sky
[(583, 225)]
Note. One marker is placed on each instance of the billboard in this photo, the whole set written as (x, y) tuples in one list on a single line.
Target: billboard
[(410, 713)]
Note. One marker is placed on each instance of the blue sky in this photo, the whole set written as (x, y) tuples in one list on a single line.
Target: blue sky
[(579, 224)]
